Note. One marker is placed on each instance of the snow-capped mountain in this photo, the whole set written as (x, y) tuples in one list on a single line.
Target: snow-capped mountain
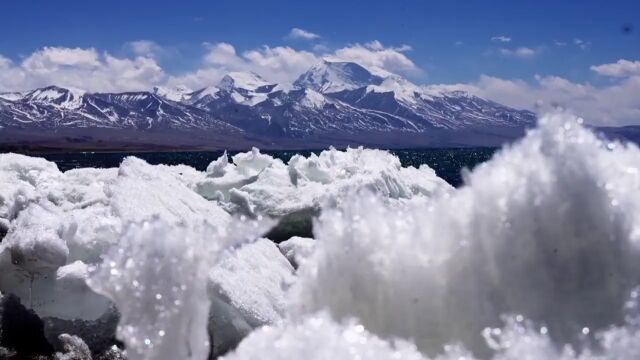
[(329, 77), (331, 100)]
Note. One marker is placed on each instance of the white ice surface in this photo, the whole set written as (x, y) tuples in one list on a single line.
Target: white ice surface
[(249, 289), (297, 249), (257, 183), (317, 337), (547, 229), (158, 279), (55, 219)]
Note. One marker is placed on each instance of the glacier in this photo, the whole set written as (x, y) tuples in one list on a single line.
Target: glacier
[(535, 256)]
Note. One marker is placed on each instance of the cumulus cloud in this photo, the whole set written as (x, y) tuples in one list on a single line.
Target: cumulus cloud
[(277, 64), (377, 56), (81, 68), (301, 34), (614, 104), (146, 48), (284, 64), (521, 52), (501, 38), (93, 70), (622, 68)]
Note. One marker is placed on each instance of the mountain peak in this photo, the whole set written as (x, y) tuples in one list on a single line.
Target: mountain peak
[(179, 93), (68, 98), (245, 80), (334, 76)]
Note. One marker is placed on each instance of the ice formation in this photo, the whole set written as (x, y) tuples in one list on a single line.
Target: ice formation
[(536, 256), (319, 337), (249, 289), (547, 229), (157, 277), (256, 183), (60, 224), (297, 249)]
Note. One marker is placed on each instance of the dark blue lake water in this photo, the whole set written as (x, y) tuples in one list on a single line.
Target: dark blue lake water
[(446, 162)]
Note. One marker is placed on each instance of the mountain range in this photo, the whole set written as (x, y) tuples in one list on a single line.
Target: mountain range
[(333, 103)]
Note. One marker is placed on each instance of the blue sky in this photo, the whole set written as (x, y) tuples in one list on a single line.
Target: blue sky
[(445, 41)]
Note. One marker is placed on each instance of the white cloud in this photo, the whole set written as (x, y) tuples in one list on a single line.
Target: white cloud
[(501, 38), (521, 52), (277, 64), (614, 104), (582, 44), (375, 55), (621, 68), (285, 64), (81, 68), (146, 48), (559, 43), (301, 34), (89, 69)]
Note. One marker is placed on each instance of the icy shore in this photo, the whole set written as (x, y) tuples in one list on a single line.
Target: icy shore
[(537, 256), (60, 226)]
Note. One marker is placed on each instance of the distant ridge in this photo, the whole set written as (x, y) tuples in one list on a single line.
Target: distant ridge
[(333, 103)]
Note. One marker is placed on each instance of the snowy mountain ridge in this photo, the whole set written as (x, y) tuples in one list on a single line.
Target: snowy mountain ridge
[(342, 98)]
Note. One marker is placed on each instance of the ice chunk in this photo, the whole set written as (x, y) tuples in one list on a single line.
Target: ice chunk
[(250, 284), (74, 347), (297, 249), (157, 277), (548, 229), (142, 191), (20, 176), (317, 337), (219, 167), (258, 184)]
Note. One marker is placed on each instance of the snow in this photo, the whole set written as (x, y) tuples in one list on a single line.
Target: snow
[(402, 89), (539, 231), (335, 76), (11, 96), (328, 77), (245, 88), (210, 92), (319, 337), (178, 94), (65, 98), (313, 99), (242, 80)]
